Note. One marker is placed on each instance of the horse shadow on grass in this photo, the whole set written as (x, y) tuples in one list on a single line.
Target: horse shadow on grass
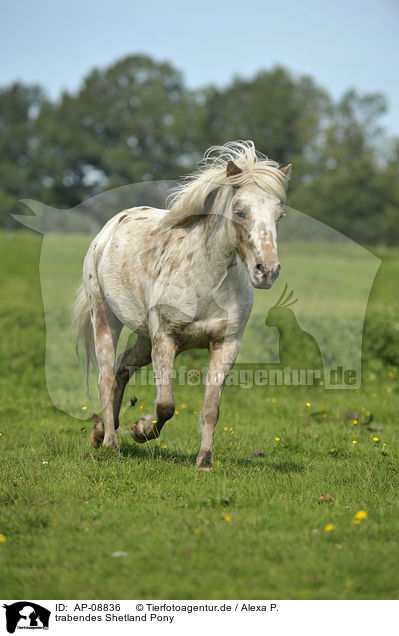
[(189, 459), (147, 452)]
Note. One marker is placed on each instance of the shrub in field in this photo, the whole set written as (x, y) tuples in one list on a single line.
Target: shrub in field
[(381, 338)]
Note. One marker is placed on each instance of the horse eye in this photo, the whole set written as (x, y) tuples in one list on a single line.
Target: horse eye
[(240, 214)]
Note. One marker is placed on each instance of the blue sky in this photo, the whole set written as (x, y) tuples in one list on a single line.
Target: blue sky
[(340, 43)]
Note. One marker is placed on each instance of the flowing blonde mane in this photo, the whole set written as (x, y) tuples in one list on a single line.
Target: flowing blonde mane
[(189, 197)]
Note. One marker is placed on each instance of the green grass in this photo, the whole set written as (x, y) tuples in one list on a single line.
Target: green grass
[(254, 527)]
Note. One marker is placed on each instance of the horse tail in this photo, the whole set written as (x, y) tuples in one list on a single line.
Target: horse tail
[(81, 323)]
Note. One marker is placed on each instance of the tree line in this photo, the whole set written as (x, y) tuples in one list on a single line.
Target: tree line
[(137, 121)]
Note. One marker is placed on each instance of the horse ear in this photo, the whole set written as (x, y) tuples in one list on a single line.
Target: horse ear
[(232, 169), (287, 170)]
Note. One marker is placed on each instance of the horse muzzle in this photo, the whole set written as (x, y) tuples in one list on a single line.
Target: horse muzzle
[(263, 276)]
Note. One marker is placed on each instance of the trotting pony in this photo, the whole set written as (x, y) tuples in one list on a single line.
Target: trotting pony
[(181, 278)]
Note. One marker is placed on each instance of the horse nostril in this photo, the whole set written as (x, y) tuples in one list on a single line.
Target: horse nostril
[(261, 268), (277, 269)]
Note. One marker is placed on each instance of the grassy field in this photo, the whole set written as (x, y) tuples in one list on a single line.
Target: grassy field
[(254, 527)]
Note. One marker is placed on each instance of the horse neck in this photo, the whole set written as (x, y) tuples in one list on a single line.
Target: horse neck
[(219, 244)]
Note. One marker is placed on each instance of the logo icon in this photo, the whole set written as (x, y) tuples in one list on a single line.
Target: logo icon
[(26, 615)]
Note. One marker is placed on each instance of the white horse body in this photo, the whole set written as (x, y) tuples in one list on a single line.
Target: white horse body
[(181, 278), (187, 290)]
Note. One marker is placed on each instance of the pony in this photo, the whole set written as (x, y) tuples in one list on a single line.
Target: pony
[(181, 278)]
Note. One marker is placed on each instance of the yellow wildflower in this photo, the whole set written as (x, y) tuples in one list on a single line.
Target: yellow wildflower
[(376, 439), (361, 514), (277, 439), (329, 527), (197, 531), (354, 441), (227, 518), (2, 538), (307, 403), (84, 408)]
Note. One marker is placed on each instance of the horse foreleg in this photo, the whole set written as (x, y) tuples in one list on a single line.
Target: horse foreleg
[(221, 359), (163, 356), (128, 362)]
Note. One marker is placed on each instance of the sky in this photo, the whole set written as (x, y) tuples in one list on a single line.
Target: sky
[(341, 43)]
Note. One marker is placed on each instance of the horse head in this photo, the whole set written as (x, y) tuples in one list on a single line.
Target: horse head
[(255, 213)]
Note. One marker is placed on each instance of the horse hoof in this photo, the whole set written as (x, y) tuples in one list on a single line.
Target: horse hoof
[(97, 435), (140, 439), (111, 443), (144, 429), (204, 460)]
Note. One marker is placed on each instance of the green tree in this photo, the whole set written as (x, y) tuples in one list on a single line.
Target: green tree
[(19, 105), (133, 121), (280, 113), (137, 121), (352, 183)]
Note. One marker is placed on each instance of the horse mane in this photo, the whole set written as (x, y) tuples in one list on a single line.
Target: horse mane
[(189, 198)]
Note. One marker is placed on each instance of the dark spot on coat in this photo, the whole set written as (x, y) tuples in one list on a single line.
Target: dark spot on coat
[(210, 200)]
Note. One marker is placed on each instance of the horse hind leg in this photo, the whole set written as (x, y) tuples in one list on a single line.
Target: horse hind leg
[(128, 363), (106, 329)]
